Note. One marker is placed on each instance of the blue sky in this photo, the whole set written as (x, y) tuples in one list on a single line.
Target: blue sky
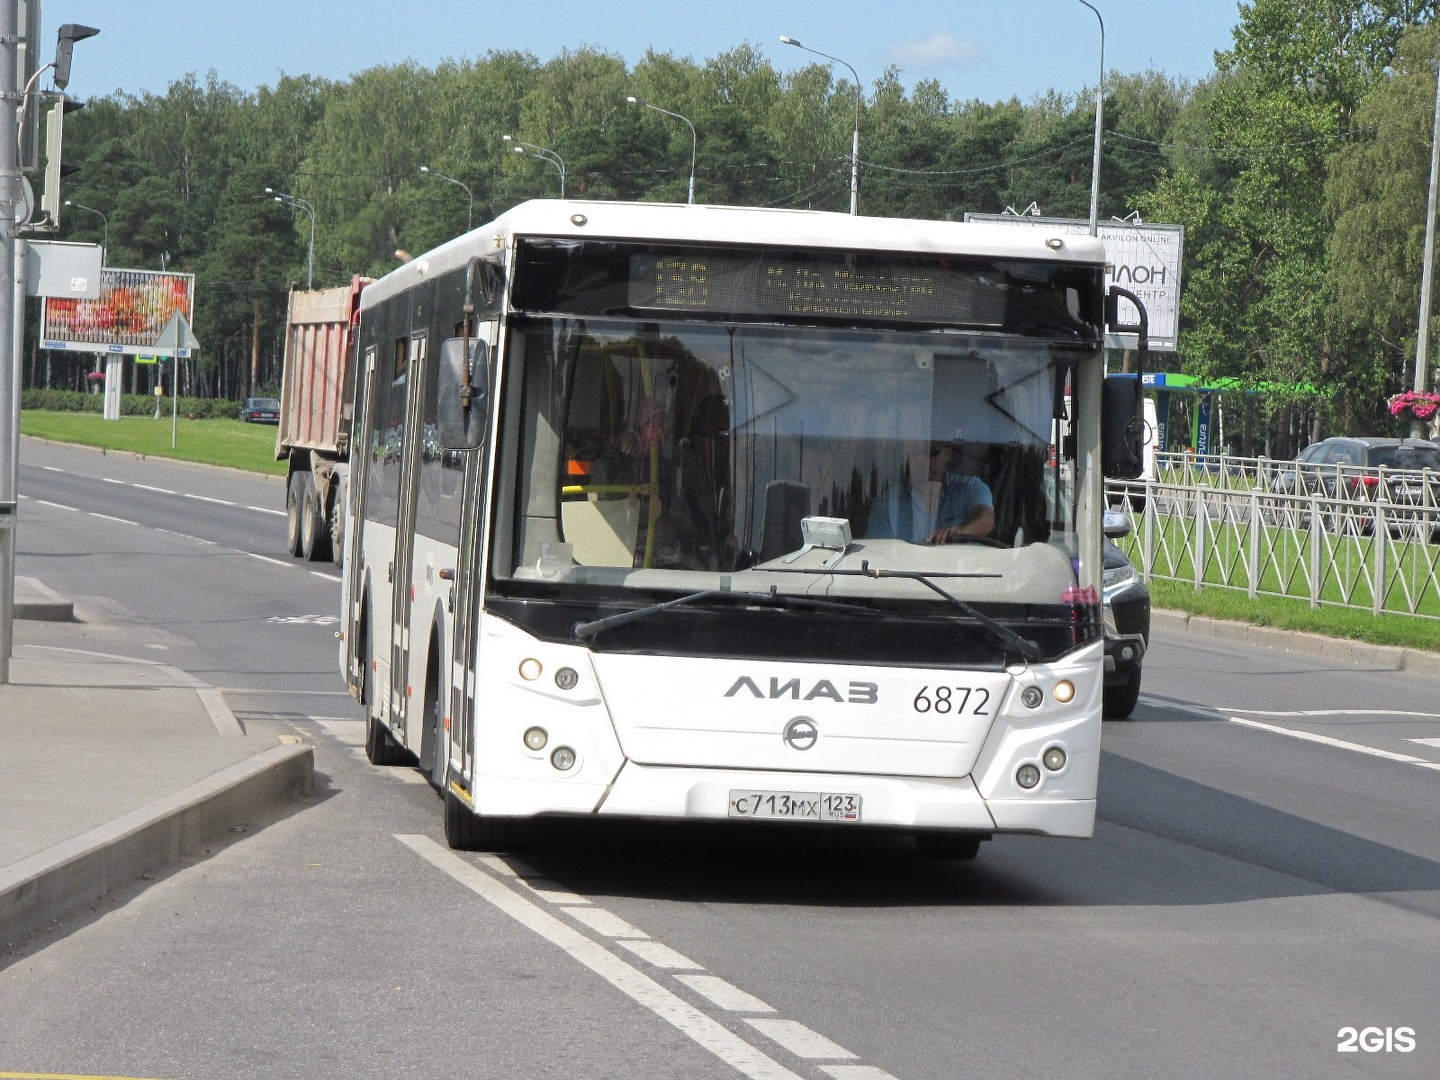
[(976, 48)]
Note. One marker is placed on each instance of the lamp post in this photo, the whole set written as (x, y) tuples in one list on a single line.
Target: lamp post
[(105, 222), (694, 142), (1099, 122), (294, 200), (544, 153), (855, 140), (470, 208)]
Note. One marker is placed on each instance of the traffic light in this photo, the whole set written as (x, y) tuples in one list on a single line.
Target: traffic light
[(69, 34)]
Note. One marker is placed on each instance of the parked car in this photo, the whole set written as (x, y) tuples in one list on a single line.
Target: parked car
[(1350, 469), (1127, 622), (260, 410)]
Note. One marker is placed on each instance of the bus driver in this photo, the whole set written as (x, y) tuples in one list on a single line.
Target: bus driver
[(953, 505)]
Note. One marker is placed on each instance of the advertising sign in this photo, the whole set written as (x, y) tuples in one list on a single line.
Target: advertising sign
[(1145, 259), (134, 307)]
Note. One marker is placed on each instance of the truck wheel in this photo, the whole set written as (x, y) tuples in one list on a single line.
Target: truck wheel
[(314, 525), (294, 508), (337, 529)]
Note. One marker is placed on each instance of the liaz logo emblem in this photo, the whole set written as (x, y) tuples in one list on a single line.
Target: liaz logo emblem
[(801, 733), (856, 693)]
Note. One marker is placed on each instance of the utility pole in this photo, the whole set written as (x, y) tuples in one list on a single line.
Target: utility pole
[(9, 389), (1422, 338)]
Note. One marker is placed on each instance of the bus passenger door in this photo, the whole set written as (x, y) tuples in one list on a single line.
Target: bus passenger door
[(400, 569), (358, 652), (469, 578)]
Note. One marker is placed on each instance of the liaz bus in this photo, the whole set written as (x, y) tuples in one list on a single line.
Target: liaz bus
[(709, 513)]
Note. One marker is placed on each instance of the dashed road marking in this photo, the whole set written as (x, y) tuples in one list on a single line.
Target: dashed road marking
[(266, 510), (107, 517), (57, 506), (147, 487), (799, 1039), (661, 956), (604, 923), (639, 987), (719, 992), (267, 558), (206, 498)]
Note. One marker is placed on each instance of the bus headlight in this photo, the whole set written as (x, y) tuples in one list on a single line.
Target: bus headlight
[(1031, 697), (1027, 776), (1064, 691), (536, 738), (530, 669), (1053, 758), (563, 758)]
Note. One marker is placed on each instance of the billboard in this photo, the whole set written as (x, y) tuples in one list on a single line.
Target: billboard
[(1145, 259), (133, 308)]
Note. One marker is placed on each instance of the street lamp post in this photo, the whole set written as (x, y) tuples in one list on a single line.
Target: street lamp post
[(544, 153), (1099, 128), (855, 139), (470, 208), (105, 222), (694, 142), (294, 200)]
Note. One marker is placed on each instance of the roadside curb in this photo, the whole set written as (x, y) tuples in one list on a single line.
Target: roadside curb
[(57, 882), (37, 602), (1343, 650)]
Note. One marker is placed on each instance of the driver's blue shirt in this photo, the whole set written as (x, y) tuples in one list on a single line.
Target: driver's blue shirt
[(900, 513)]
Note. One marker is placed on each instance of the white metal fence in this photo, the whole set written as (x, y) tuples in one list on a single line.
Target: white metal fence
[(1357, 538)]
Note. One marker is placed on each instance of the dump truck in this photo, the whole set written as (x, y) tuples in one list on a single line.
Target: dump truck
[(316, 409)]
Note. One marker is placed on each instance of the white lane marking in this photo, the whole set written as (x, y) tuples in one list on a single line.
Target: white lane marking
[(1425, 742), (639, 987), (800, 1040), (147, 487), (266, 558), (1338, 712), (51, 468), (107, 517), (327, 577), (266, 510), (661, 956), (1326, 740), (855, 1072), (206, 498), (554, 894), (111, 480), (57, 506), (728, 997), (604, 923)]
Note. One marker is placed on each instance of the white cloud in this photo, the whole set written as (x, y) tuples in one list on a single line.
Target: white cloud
[(938, 50)]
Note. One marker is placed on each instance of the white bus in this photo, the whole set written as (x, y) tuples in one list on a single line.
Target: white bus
[(647, 522)]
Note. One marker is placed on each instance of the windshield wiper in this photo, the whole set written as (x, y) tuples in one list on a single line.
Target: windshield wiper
[(1024, 646), (586, 630)]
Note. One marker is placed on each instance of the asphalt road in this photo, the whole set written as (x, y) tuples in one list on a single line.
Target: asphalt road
[(1251, 892)]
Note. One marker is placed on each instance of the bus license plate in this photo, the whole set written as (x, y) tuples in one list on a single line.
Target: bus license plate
[(795, 805)]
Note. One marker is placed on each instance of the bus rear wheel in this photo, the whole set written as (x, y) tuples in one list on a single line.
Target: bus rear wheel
[(466, 830)]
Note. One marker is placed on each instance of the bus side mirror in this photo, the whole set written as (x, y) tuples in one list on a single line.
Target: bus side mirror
[(462, 406), (1122, 452)]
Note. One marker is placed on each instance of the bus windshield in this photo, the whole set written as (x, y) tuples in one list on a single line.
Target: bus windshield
[(682, 456)]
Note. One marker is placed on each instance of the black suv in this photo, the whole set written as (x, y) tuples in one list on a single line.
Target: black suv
[(1127, 622)]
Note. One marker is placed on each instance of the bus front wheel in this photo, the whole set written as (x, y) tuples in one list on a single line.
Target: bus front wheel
[(466, 830)]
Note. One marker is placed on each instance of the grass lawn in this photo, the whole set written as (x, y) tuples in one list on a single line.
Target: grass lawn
[(211, 442)]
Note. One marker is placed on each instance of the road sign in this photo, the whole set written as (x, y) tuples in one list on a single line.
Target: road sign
[(176, 338)]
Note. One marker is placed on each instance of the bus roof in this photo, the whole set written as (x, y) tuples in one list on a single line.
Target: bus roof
[(704, 224)]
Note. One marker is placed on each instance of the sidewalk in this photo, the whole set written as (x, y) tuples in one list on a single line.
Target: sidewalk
[(111, 767)]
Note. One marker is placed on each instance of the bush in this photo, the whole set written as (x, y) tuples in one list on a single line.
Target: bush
[(130, 404)]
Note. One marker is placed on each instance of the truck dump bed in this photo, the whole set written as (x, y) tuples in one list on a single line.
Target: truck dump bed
[(315, 394)]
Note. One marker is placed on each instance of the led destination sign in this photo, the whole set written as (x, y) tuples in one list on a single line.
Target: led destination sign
[(816, 286)]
